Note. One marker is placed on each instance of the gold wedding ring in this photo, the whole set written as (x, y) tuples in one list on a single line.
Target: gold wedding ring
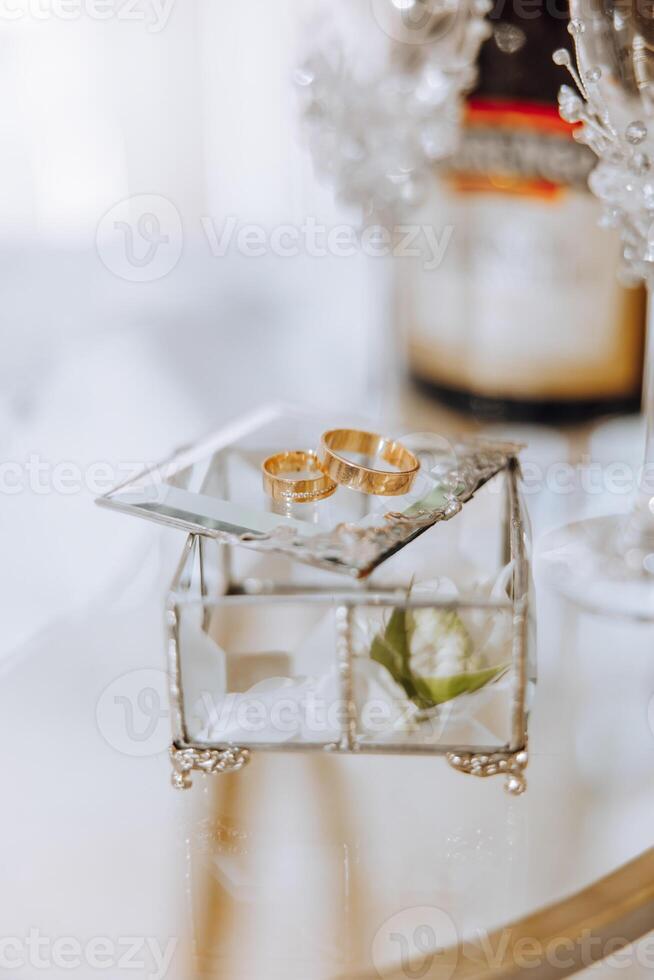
[(284, 487), (386, 483)]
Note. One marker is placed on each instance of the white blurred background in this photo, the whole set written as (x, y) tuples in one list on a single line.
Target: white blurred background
[(186, 110), (192, 105)]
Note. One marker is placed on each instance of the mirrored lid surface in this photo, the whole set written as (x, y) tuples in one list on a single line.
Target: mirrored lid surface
[(215, 487)]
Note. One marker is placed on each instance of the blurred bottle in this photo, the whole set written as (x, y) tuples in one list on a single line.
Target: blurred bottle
[(524, 317)]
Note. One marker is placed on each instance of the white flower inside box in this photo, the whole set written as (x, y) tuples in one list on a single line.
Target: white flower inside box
[(345, 626)]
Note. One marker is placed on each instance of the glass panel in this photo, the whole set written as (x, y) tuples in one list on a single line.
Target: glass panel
[(431, 644), (261, 672), (433, 676), (429, 667), (266, 672), (217, 487), (470, 547), (531, 652), (230, 472)]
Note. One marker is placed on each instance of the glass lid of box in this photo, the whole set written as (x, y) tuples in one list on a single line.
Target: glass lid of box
[(342, 494)]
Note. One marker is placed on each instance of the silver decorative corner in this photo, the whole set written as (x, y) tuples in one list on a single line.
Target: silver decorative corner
[(189, 759), (509, 764)]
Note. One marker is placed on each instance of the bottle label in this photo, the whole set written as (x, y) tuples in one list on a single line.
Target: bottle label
[(519, 147), (526, 303)]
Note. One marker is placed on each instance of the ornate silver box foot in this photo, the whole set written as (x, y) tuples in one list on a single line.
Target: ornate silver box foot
[(509, 764), (187, 760)]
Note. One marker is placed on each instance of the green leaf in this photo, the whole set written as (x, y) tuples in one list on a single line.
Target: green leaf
[(391, 650), (438, 690)]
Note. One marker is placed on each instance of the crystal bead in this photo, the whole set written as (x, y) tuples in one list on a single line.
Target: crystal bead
[(509, 38), (614, 155), (636, 132), (640, 164), (376, 122), (593, 75), (304, 76), (436, 78), (567, 92), (562, 57), (610, 218), (431, 141), (413, 192), (607, 183), (570, 105), (576, 26)]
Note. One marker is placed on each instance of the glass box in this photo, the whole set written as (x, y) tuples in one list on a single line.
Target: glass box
[(345, 626)]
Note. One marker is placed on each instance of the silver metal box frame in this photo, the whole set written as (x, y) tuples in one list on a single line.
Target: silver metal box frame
[(483, 761)]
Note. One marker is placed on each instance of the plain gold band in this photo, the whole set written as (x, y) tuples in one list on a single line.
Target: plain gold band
[(284, 488), (384, 483)]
